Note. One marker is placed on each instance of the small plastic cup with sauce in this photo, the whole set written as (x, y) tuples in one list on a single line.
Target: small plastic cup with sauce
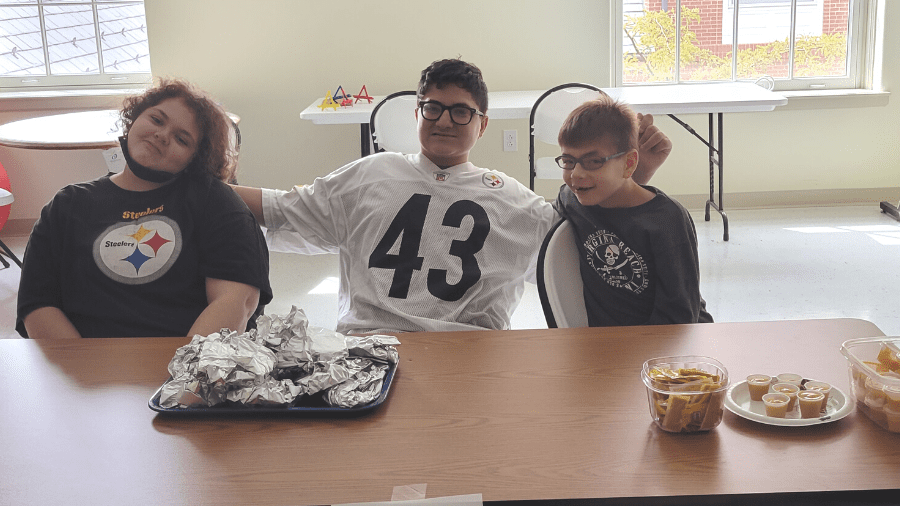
[(821, 386), (789, 377), (790, 390), (776, 404), (758, 384), (810, 403)]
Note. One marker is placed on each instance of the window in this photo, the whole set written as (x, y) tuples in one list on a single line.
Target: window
[(66, 43), (797, 44)]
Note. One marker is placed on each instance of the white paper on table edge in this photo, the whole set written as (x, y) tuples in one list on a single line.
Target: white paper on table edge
[(453, 500)]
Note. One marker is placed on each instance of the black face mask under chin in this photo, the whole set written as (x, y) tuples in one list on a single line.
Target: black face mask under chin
[(147, 174)]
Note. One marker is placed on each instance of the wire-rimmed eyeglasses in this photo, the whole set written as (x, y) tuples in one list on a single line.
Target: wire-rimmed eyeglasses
[(459, 114)]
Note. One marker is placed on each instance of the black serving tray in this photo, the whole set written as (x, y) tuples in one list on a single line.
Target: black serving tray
[(304, 405)]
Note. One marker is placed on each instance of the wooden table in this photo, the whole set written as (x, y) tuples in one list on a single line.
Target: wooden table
[(515, 415), (712, 99)]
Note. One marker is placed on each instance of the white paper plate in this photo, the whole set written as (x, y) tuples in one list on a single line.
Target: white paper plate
[(737, 400)]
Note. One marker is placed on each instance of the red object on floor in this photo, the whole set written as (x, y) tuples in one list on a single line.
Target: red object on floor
[(4, 183)]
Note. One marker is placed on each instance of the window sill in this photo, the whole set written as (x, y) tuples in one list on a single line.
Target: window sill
[(65, 100), (833, 99)]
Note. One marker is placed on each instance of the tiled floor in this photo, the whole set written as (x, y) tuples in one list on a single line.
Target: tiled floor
[(820, 262)]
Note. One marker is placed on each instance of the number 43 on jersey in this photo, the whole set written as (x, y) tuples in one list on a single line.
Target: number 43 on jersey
[(407, 227)]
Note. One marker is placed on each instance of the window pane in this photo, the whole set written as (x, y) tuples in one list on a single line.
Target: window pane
[(823, 52), (71, 40), (123, 38), (821, 40), (763, 34), (21, 47), (84, 43), (705, 52), (650, 54)]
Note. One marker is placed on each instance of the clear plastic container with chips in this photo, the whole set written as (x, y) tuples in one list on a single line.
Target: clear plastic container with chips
[(686, 393), (874, 365)]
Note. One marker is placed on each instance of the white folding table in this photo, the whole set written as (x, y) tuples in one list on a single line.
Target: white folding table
[(713, 99), (73, 130)]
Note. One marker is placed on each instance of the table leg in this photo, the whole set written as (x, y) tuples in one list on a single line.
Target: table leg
[(365, 139), (712, 162), (10, 254), (890, 210), (715, 159)]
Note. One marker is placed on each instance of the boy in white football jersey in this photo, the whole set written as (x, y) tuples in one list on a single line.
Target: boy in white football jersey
[(427, 242)]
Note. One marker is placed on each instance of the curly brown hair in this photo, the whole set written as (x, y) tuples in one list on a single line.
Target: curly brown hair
[(215, 154)]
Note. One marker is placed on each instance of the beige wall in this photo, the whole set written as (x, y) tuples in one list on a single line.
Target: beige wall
[(268, 65), (267, 68)]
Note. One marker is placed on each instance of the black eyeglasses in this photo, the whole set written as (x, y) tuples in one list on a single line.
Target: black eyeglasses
[(568, 163), (459, 114)]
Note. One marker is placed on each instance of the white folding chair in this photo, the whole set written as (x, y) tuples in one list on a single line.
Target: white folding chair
[(393, 123), (547, 116), (559, 279)]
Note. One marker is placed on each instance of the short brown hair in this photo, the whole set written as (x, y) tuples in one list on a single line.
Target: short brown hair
[(215, 154), (455, 71), (595, 119)]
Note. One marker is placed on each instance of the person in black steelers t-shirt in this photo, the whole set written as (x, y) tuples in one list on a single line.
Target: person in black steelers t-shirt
[(163, 248)]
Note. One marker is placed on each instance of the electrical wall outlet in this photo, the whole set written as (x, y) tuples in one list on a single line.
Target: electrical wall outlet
[(509, 141)]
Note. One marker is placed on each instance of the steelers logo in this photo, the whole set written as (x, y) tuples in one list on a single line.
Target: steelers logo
[(492, 180), (138, 252)]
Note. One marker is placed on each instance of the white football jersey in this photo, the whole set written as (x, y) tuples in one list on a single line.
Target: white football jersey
[(421, 249)]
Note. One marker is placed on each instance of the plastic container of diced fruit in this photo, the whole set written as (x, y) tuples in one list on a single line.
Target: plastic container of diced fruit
[(874, 365), (686, 393)]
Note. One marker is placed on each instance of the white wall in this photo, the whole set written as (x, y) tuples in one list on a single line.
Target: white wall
[(268, 65)]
